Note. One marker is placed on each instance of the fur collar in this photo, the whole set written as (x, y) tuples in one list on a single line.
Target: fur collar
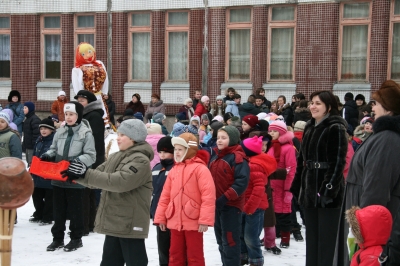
[(156, 104), (387, 122), (302, 110), (92, 106), (286, 138), (354, 225)]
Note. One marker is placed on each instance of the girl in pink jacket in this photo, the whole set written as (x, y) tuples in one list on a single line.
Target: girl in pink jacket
[(187, 203), (283, 150)]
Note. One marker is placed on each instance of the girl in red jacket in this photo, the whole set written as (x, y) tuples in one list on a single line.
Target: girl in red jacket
[(187, 203), (283, 151), (256, 202)]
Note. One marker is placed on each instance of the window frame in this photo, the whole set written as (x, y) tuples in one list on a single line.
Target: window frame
[(7, 31), (137, 29), (175, 28), (84, 30), (281, 24), (393, 19), (353, 22), (238, 26), (49, 31)]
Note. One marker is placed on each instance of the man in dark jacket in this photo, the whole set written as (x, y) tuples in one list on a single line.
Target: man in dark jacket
[(197, 97), (30, 129), (350, 111), (93, 113), (249, 108)]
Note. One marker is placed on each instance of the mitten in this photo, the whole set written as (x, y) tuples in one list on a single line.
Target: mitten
[(76, 170), (221, 201), (288, 197), (45, 157)]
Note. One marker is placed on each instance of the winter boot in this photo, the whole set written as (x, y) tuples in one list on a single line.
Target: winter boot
[(34, 220), (44, 222), (297, 236), (274, 250), (285, 239), (55, 245), (73, 245)]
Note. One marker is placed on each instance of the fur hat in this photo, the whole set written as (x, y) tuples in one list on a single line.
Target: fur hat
[(189, 141), (14, 93), (165, 144), (5, 117), (279, 126), (153, 129), (179, 129), (227, 116), (138, 115), (134, 129), (300, 125), (158, 118), (389, 96), (233, 133), (137, 95), (204, 98), (76, 108), (30, 105), (252, 146), (360, 97), (251, 120), (48, 123), (86, 94), (61, 93)]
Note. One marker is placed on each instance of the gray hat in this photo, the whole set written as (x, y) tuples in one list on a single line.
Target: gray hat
[(158, 117), (134, 129), (233, 133)]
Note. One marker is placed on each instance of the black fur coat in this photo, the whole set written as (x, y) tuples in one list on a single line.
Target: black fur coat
[(325, 142)]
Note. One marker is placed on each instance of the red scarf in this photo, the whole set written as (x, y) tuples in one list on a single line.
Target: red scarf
[(79, 60), (277, 150)]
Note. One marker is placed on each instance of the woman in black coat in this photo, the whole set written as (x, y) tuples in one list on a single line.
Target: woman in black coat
[(111, 107), (374, 173), (319, 183)]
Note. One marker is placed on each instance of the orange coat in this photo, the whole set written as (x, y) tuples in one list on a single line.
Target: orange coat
[(188, 196), (57, 108)]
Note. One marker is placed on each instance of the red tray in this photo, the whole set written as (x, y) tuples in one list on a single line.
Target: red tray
[(48, 170)]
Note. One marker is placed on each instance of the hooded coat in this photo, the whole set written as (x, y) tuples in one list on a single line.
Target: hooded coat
[(201, 109), (248, 109), (301, 114), (153, 108), (153, 140), (18, 110), (287, 112), (57, 108), (371, 229), (31, 130), (350, 113), (232, 107), (136, 107), (188, 196), (324, 142)]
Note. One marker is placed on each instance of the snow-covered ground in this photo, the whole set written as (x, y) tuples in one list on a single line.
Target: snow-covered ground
[(30, 241)]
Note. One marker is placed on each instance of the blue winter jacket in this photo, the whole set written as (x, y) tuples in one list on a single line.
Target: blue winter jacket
[(42, 145), (160, 173), (18, 110)]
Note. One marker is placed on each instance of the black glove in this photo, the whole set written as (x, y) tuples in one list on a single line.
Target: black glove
[(221, 201), (45, 157), (76, 170), (325, 200)]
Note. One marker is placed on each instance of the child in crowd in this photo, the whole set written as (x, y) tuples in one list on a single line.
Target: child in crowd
[(30, 129), (181, 117), (43, 193), (228, 118), (194, 125), (283, 151), (12, 125), (249, 124), (371, 227), (204, 128), (260, 104), (159, 118), (274, 107), (218, 108), (154, 134), (362, 132), (261, 166), (124, 211), (187, 203), (299, 129), (233, 106), (230, 170), (261, 92), (160, 173), (10, 141), (72, 141), (15, 105), (230, 92), (178, 129)]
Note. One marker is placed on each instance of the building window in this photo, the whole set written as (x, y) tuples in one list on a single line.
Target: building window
[(355, 20), (139, 46), (281, 43), (85, 29), (238, 40), (5, 48), (394, 45), (51, 47), (177, 46)]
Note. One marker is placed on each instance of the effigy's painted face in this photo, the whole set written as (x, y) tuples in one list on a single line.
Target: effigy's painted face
[(88, 55)]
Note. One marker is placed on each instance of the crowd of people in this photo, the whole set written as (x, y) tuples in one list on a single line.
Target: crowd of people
[(244, 169)]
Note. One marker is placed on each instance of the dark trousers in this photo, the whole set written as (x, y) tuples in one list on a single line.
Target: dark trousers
[(283, 222), (67, 201), (43, 202), (321, 232), (117, 251), (293, 217), (163, 243), (89, 209), (227, 229)]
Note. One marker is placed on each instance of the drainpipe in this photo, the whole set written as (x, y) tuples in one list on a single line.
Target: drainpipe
[(204, 78), (109, 45)]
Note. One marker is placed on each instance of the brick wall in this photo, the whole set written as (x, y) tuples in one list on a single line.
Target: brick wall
[(196, 43), (68, 55), (316, 47), (259, 43), (157, 50)]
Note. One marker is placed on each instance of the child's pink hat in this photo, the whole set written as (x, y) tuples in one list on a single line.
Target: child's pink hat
[(279, 126), (252, 146)]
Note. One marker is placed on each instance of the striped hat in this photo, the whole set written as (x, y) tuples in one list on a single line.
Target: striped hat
[(190, 142)]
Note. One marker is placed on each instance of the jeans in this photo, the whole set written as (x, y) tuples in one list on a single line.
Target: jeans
[(252, 226)]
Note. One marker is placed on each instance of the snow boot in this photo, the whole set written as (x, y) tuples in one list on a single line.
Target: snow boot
[(297, 236), (73, 245), (274, 250), (55, 245), (34, 220), (285, 239), (44, 222)]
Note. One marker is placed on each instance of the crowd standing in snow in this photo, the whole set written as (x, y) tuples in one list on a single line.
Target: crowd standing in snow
[(240, 168)]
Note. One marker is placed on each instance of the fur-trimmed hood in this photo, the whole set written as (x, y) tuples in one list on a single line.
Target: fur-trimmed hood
[(387, 122), (371, 226), (360, 133), (302, 110), (286, 138), (96, 105)]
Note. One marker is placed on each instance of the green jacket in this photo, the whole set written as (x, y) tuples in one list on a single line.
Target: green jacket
[(126, 181)]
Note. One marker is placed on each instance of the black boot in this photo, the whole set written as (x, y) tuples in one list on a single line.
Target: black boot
[(55, 245), (73, 245), (274, 250), (34, 220), (297, 236)]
